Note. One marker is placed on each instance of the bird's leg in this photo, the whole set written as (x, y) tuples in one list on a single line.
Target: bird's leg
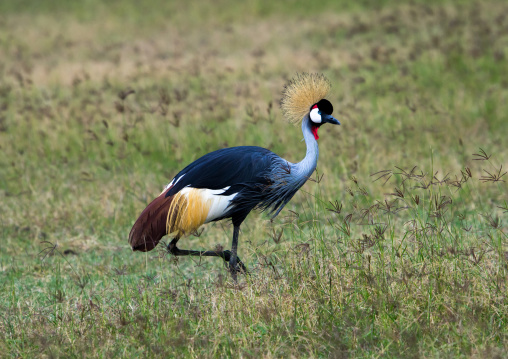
[(226, 255), (234, 248)]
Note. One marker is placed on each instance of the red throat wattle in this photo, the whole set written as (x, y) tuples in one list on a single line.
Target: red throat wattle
[(314, 132)]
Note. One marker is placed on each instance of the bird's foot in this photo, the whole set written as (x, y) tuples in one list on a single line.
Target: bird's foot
[(240, 267), (171, 248)]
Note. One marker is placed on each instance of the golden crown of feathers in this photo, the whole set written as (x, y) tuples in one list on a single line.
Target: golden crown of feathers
[(301, 92)]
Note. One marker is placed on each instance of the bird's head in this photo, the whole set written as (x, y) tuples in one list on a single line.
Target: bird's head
[(304, 96), (321, 113)]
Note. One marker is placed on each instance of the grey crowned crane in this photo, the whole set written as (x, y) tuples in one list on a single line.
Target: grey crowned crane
[(231, 182)]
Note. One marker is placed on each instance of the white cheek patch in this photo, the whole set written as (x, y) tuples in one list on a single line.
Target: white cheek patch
[(315, 116)]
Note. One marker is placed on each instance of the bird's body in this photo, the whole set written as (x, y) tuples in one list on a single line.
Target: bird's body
[(227, 183)]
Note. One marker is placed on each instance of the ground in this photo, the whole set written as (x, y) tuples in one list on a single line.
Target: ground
[(396, 248)]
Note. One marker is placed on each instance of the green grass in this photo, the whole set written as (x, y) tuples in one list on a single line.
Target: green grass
[(361, 263)]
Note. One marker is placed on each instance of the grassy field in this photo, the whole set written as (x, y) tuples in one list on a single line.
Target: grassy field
[(397, 248)]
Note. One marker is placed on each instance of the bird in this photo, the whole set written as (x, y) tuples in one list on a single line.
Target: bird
[(231, 182)]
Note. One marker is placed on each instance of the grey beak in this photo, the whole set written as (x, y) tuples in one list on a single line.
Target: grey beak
[(330, 119)]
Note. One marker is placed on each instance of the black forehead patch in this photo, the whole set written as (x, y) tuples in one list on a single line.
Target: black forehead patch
[(325, 106)]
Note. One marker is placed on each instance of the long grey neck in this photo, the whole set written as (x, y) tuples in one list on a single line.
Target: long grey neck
[(306, 167), (290, 181)]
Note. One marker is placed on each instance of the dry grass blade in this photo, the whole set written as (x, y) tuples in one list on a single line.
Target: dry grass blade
[(482, 155), (445, 180), (493, 177), (368, 213), (383, 174), (398, 193), (494, 222), (318, 178), (442, 202), (336, 207), (379, 231), (277, 236), (466, 174), (409, 175), (504, 208), (122, 95)]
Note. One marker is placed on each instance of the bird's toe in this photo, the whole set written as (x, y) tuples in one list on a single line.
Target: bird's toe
[(239, 267)]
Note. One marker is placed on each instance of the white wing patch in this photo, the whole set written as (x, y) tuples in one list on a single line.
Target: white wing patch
[(220, 205), (171, 183)]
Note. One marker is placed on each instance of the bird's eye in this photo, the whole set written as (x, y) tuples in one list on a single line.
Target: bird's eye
[(315, 115)]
